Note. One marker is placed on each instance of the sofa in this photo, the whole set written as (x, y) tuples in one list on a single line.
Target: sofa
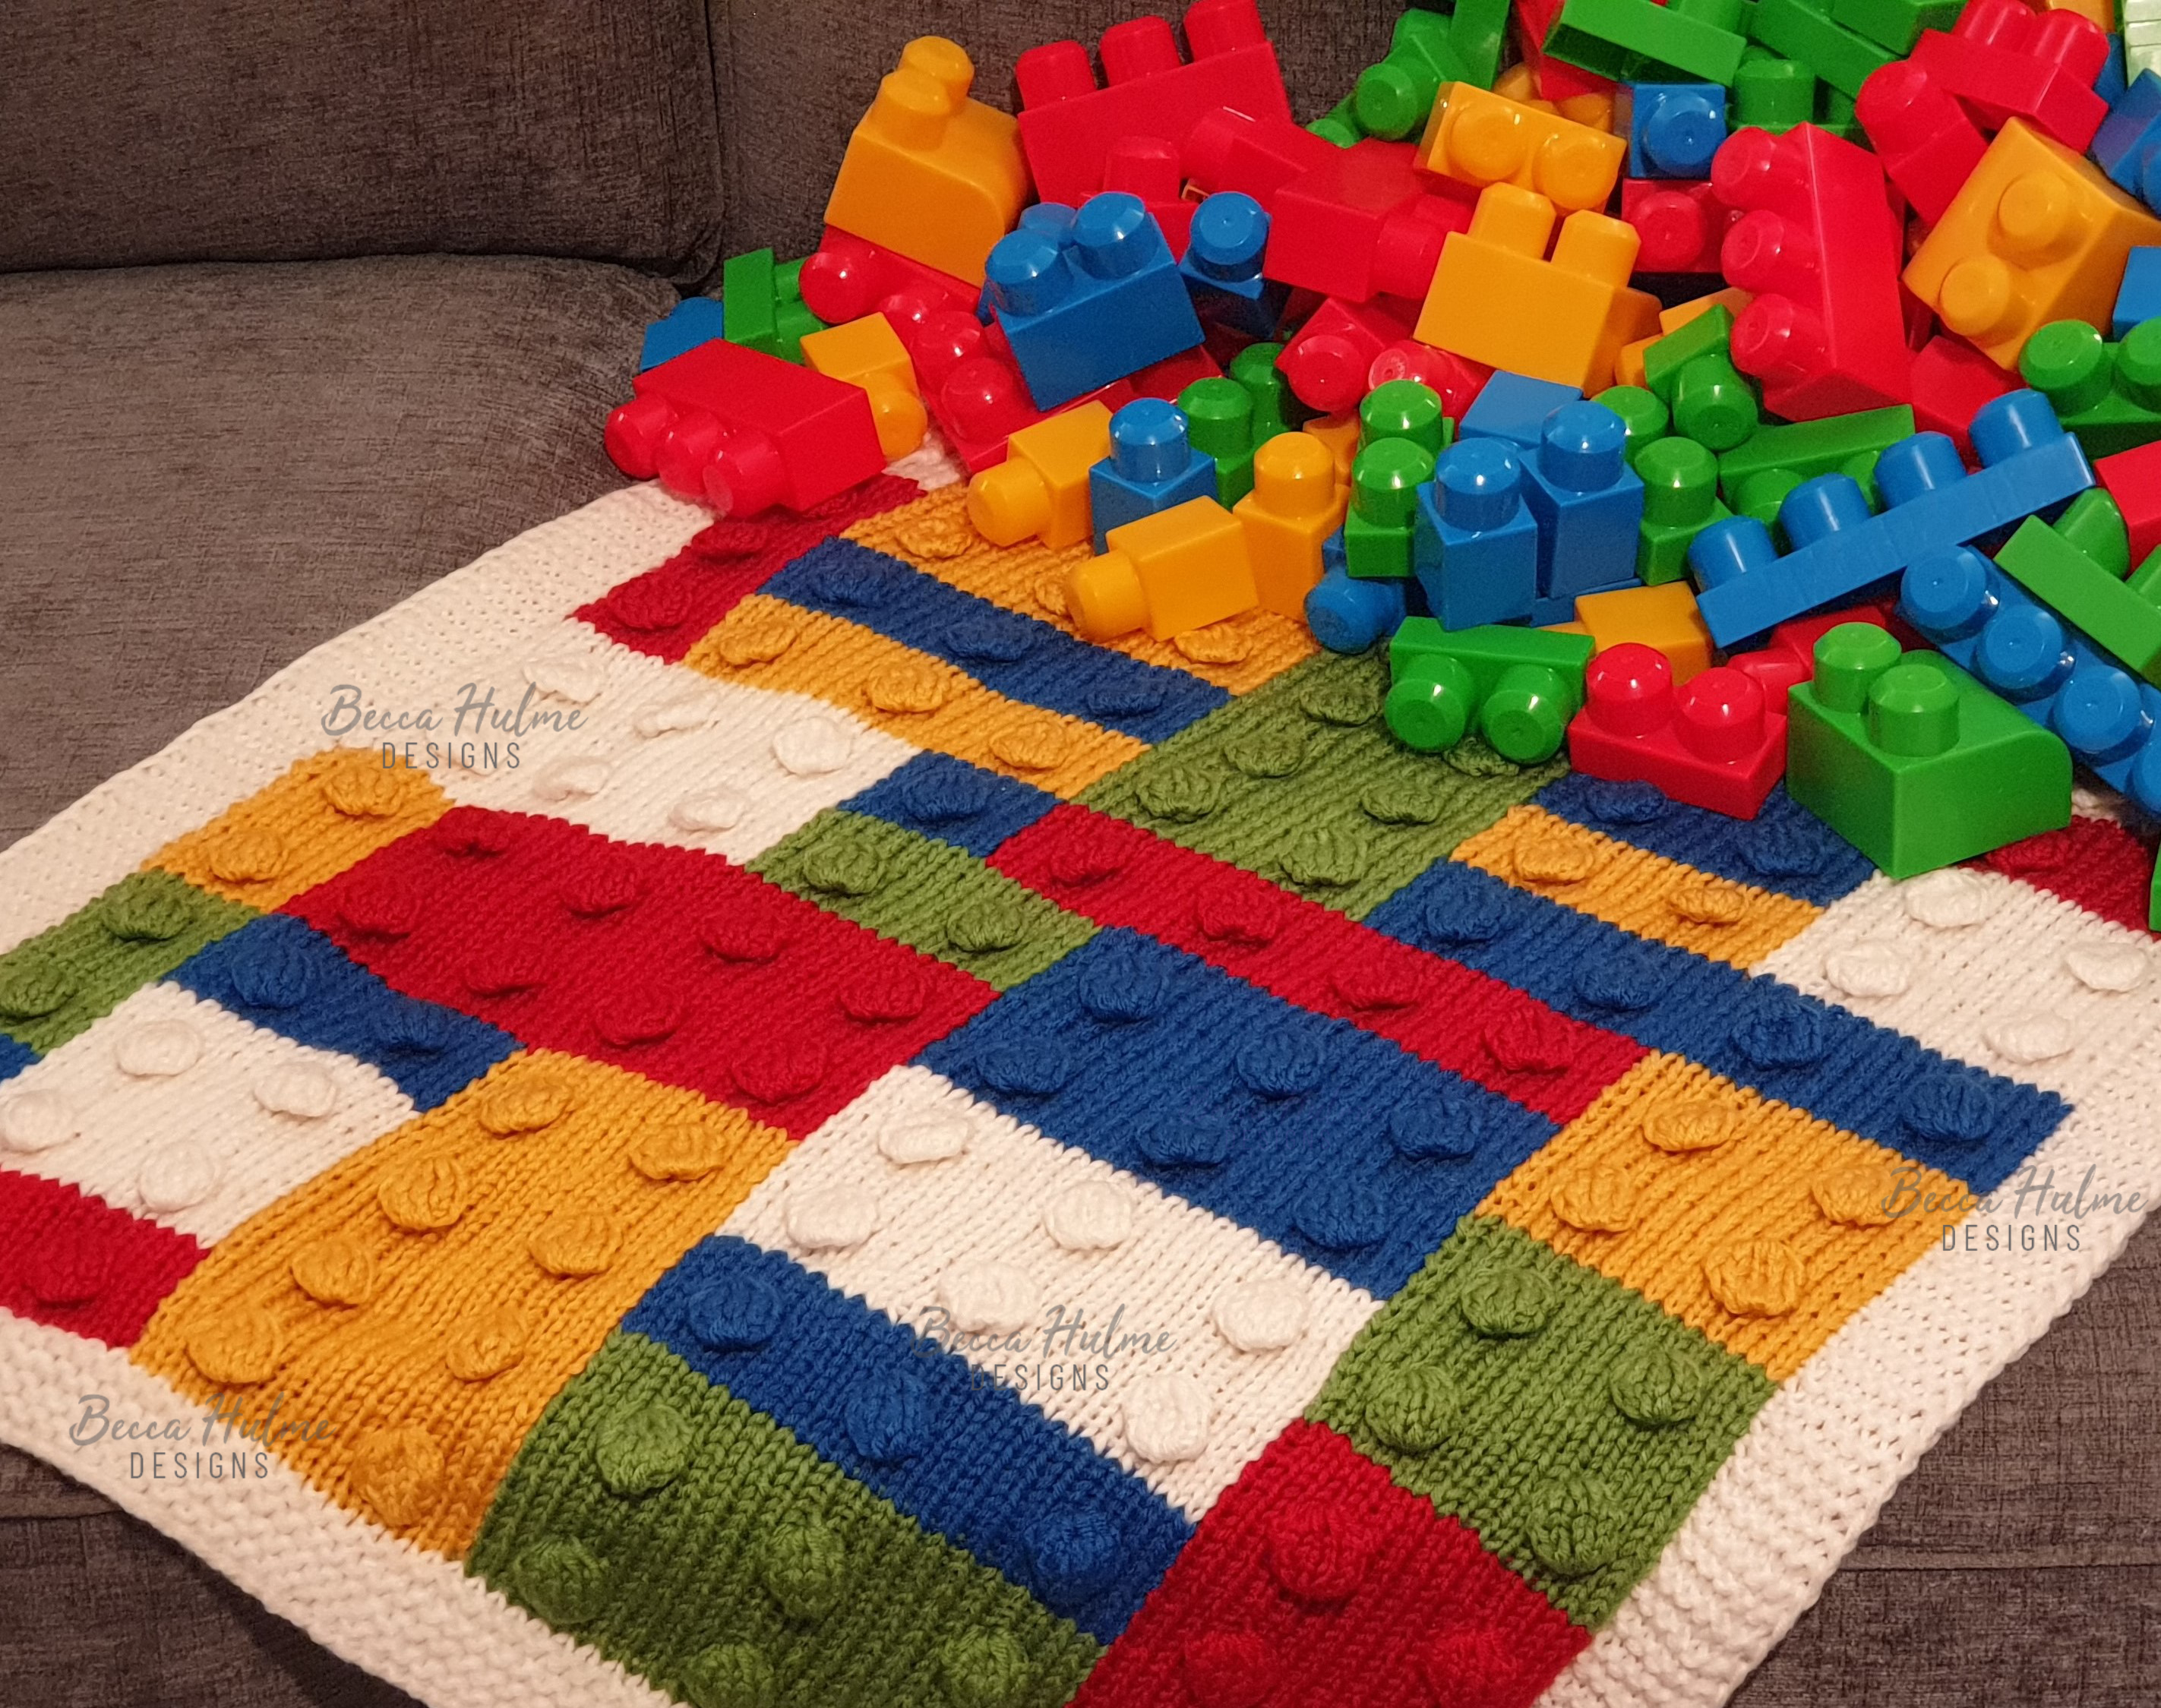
[(302, 305)]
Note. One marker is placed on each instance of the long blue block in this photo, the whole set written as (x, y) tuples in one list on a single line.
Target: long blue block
[(1757, 1031), (955, 1450), (1314, 1134), (1019, 657), (281, 974), (1784, 847), (936, 795)]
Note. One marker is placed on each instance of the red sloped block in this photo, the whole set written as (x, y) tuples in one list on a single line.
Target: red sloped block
[(73, 1261), (2133, 479), (1227, 149), (1715, 743), (1315, 1582), (1952, 380), (1116, 873), (667, 610), (2005, 61), (668, 962), (2094, 863)]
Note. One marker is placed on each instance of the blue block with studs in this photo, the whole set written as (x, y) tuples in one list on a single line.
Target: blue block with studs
[(1475, 549), (1675, 129), (1588, 503), (1152, 466), (1224, 250)]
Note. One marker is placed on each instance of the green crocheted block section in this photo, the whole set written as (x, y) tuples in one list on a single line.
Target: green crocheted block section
[(693, 1540), (928, 894), (1301, 782), (1564, 1417), (57, 983)]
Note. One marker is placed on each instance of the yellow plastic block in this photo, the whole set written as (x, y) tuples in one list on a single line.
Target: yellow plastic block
[(1339, 434), (1628, 363), (2097, 11), (1764, 1227), (2037, 234), (768, 643), (869, 353), (420, 1302), (1237, 654), (1179, 568), (1517, 83), (1663, 618), (1294, 506), (929, 174), (1040, 490), (1479, 138), (330, 811), (1732, 298), (1494, 299), (1639, 891), (1594, 109)]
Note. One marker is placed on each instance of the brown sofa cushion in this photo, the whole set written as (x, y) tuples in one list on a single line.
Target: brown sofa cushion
[(232, 130)]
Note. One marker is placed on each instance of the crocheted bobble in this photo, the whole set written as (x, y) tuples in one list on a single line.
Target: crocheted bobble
[(1641, 892), (426, 1296), (926, 894), (1747, 1219), (2094, 864), (925, 700), (1300, 782), (55, 985), (73, 1261), (1196, 1340), (173, 1109), (933, 533), (661, 1519), (1118, 874), (953, 802), (1161, 1064), (668, 963), (1566, 1419)]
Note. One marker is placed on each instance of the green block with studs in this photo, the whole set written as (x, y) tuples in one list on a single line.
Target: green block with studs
[(1378, 528), (1803, 32), (1664, 359), (2106, 395), (1517, 688), (1646, 419), (764, 304), (1803, 449), (1680, 500)]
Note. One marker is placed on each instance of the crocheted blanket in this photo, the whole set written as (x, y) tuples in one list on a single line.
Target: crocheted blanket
[(729, 1113)]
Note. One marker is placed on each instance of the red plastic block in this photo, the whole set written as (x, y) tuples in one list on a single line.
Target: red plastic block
[(2005, 61), (666, 961), (2094, 863), (847, 278), (1715, 743), (1365, 222), (1929, 142), (745, 432), (1148, 167), (1818, 246), (2133, 479), (73, 1261), (1118, 874), (1232, 150), (1327, 362), (1681, 221), (1952, 380), (1168, 378), (667, 610), (1789, 655), (1068, 126), (1316, 1582), (1457, 379)]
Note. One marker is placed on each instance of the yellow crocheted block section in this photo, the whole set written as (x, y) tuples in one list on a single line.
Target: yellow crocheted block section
[(1762, 1227), (330, 811), (1237, 654), (768, 643), (411, 1311), (1640, 892)]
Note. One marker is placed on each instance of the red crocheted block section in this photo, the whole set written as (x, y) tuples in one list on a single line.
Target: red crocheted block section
[(73, 1261)]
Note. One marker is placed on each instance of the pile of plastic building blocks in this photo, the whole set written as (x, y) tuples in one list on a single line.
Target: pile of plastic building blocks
[(1730, 390)]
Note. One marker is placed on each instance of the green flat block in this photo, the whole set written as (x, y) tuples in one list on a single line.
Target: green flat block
[(656, 1518), (1517, 688), (2093, 524), (1807, 448), (764, 304), (1895, 24), (2084, 593), (1567, 1419), (1913, 761), (1835, 53), (1300, 782), (926, 894), (1634, 41)]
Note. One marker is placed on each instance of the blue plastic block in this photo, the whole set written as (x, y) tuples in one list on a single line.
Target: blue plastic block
[(280, 973), (1151, 467), (1348, 613), (695, 321), (1675, 129), (1587, 501), (15, 1055), (918, 1424), (1784, 847), (2126, 145), (1990, 627), (1334, 1143), (1019, 657), (2139, 297), (1224, 249), (2109, 85), (1930, 504), (1092, 305), (1514, 407), (1757, 1031), (939, 796), (1475, 548)]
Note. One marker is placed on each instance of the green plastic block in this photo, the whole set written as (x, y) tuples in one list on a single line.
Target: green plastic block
[(1516, 687), (1378, 528), (1835, 53), (2153, 900), (1709, 332), (764, 304), (1772, 94), (2093, 524), (2085, 594), (1219, 424), (1340, 123), (1835, 113), (1807, 448), (1680, 500), (1275, 409), (1913, 761), (1714, 403), (1404, 408), (1641, 413), (2145, 580), (2108, 395), (1395, 97), (1895, 24), (1634, 41)]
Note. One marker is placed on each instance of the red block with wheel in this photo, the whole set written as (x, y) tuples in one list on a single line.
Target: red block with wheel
[(1715, 743)]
